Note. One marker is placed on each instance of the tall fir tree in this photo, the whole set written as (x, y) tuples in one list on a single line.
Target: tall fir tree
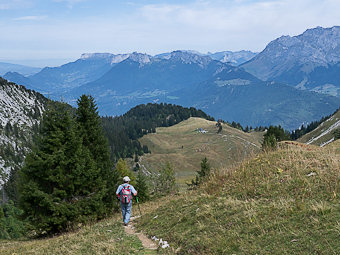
[(91, 130), (59, 184), (142, 186)]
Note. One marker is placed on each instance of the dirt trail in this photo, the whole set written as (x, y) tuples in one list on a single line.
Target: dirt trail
[(147, 242)]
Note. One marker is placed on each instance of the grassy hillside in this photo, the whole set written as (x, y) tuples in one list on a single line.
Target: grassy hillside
[(323, 134), (185, 147), (282, 202), (105, 237)]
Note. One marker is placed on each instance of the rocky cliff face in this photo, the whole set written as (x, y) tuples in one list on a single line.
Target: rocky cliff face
[(303, 61), (20, 111)]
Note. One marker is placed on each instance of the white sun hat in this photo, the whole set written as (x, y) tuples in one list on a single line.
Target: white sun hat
[(126, 179)]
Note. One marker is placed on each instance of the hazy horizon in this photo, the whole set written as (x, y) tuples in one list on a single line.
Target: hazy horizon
[(53, 32)]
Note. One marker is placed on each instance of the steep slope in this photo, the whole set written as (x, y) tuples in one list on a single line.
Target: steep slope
[(307, 61), (185, 146), (20, 110), (324, 133), (282, 202)]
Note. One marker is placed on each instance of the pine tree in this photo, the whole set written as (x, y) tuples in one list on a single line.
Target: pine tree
[(59, 183), (91, 130), (123, 170), (142, 187), (201, 174), (205, 169)]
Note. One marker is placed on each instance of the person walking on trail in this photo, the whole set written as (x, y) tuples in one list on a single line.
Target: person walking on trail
[(124, 194)]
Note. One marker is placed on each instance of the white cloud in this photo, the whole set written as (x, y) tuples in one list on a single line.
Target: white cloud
[(237, 24), (32, 18), (214, 25)]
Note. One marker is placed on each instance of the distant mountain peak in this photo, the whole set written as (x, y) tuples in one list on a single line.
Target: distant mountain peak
[(306, 61), (317, 45), (233, 57), (96, 55), (189, 57), (141, 58)]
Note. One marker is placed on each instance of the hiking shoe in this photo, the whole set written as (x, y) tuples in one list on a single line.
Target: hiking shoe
[(125, 224)]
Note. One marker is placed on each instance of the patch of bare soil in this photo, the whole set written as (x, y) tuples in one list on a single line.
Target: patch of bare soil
[(147, 242)]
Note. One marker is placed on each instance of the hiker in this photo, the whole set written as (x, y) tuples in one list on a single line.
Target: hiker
[(124, 195)]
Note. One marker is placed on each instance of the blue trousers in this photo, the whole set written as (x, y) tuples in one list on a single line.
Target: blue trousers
[(126, 211)]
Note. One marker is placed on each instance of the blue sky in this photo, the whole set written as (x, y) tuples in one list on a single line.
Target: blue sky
[(50, 32)]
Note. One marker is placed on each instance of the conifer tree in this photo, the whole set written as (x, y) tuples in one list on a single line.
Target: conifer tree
[(123, 170), (90, 127), (205, 169), (166, 182), (201, 174), (59, 184), (142, 187), (91, 130)]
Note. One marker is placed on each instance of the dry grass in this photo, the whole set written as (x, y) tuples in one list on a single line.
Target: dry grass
[(185, 147), (105, 237), (320, 129), (281, 202), (271, 204)]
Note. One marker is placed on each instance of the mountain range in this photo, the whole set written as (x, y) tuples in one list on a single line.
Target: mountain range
[(262, 91), (310, 61)]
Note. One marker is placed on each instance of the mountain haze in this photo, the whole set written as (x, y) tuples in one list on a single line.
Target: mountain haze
[(120, 82), (22, 69), (251, 101), (233, 58)]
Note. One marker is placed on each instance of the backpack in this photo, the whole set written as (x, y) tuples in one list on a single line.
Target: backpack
[(126, 194)]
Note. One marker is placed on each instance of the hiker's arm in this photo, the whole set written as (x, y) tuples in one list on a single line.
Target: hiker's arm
[(134, 192), (118, 192)]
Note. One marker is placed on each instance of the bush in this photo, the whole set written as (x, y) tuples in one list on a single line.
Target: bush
[(10, 224)]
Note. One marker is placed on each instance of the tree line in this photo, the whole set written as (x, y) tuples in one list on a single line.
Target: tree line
[(124, 131)]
